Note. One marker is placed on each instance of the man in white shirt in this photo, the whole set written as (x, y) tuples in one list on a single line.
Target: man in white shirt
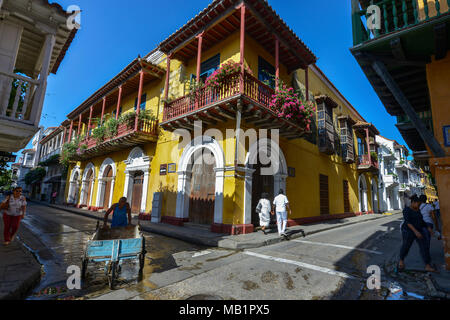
[(281, 203), (427, 212)]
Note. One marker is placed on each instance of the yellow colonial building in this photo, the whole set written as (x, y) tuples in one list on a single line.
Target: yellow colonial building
[(185, 152)]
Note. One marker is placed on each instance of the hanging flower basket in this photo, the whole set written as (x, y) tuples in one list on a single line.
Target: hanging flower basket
[(287, 104)]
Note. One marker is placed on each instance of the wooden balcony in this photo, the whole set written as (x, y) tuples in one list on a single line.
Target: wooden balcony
[(127, 136), (213, 105), (366, 164)]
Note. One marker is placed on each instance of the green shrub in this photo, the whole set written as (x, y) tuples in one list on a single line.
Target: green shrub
[(99, 134), (111, 126)]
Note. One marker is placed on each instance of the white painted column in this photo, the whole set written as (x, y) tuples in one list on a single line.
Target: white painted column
[(100, 192), (145, 191), (111, 192), (91, 193), (218, 203), (126, 187), (40, 94)]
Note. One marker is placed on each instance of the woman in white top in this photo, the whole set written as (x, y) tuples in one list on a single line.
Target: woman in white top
[(13, 209), (264, 210)]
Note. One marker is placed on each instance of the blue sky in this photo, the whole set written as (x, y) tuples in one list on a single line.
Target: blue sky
[(114, 32)]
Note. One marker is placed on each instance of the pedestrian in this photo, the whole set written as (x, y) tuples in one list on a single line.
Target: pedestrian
[(13, 208), (54, 195), (281, 203), (412, 230), (264, 210), (121, 211)]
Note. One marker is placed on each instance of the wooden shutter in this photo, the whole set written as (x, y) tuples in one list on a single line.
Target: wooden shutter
[(346, 197), (324, 195), (326, 128), (348, 154)]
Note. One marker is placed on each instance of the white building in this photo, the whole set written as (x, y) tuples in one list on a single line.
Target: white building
[(50, 149), (27, 161), (399, 177), (34, 38)]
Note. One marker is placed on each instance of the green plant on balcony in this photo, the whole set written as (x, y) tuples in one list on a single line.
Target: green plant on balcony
[(287, 104), (68, 151), (99, 134), (402, 162), (218, 77), (111, 126), (374, 156), (129, 118)]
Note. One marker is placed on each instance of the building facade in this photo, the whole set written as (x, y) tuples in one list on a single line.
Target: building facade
[(55, 179), (197, 153), (406, 60)]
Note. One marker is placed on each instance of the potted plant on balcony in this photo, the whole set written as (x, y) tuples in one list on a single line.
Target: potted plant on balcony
[(226, 70), (99, 134), (129, 118), (111, 126), (68, 151), (288, 104)]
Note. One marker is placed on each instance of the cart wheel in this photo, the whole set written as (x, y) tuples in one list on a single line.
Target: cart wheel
[(84, 265), (112, 275)]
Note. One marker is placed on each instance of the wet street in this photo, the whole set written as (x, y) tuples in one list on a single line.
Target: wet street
[(328, 265)]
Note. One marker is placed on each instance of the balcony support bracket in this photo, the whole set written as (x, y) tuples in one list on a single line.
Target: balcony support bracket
[(425, 134)]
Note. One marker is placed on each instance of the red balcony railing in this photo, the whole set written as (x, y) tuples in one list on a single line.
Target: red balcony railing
[(364, 161), (253, 89), (147, 130)]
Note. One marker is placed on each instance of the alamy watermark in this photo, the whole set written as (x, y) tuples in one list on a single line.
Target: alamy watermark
[(373, 16), (74, 20), (262, 149)]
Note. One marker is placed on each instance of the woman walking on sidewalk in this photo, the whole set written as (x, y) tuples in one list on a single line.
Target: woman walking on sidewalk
[(264, 210), (412, 230), (13, 209)]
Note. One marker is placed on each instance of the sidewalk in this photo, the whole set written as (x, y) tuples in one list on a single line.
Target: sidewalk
[(245, 241), (19, 270)]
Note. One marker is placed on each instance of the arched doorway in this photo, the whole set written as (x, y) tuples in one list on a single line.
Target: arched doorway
[(362, 187), (72, 197), (261, 178), (203, 185), (87, 185), (185, 178), (137, 179), (107, 179), (261, 183), (138, 182)]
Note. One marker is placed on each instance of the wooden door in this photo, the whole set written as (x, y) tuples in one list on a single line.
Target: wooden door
[(203, 188), (107, 176), (346, 197), (260, 184), (324, 195), (136, 198)]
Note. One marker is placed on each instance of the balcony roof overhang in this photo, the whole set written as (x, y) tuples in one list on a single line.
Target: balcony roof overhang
[(51, 135), (37, 17), (222, 18), (361, 125), (128, 78)]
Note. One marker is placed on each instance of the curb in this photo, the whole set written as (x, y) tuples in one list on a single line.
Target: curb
[(26, 285), (221, 243)]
